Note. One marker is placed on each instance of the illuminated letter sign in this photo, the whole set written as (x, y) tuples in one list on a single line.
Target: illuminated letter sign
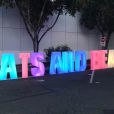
[(68, 62), (56, 63), (8, 66), (80, 61), (111, 59), (35, 61), (24, 57), (61, 62), (98, 59)]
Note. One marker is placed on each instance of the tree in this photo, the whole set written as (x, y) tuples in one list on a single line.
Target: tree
[(99, 14), (36, 12)]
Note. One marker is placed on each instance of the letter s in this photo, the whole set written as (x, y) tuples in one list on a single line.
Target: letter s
[(35, 61)]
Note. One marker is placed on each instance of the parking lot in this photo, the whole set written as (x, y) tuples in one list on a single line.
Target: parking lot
[(59, 94)]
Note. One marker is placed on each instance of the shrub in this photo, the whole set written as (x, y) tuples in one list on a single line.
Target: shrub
[(58, 48)]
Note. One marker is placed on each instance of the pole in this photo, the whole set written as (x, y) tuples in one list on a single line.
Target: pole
[(92, 76)]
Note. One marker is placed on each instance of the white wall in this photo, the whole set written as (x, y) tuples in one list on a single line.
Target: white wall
[(68, 31), (15, 39)]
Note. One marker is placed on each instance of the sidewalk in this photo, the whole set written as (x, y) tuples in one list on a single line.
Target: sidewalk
[(62, 94)]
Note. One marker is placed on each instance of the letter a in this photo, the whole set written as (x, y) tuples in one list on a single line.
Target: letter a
[(8, 66), (56, 63)]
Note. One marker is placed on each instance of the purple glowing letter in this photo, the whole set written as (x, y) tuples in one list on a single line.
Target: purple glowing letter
[(35, 61)]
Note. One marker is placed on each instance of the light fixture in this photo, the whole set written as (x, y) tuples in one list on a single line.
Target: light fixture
[(52, 0)]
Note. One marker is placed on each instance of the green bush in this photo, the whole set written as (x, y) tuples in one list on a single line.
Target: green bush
[(58, 48)]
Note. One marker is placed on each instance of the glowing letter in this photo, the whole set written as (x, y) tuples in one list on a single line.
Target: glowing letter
[(35, 61), (68, 61), (56, 63), (24, 57), (98, 59), (111, 59), (8, 66), (80, 56)]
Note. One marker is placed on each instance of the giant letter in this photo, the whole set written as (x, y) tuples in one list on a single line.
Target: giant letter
[(35, 61), (98, 59), (68, 61), (24, 57), (111, 59), (8, 66), (56, 63), (80, 57)]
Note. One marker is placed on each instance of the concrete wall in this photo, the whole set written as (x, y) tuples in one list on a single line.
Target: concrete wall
[(15, 39)]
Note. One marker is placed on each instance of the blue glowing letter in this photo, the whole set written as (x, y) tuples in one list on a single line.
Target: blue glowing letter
[(56, 63), (8, 66), (80, 57), (68, 62)]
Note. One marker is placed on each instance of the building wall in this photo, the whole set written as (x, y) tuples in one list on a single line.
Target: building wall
[(15, 39)]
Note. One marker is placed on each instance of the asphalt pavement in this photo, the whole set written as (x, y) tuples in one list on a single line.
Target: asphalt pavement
[(59, 94)]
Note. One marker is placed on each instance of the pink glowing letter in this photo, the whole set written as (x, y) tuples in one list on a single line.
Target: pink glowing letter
[(35, 61), (98, 59), (24, 57)]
